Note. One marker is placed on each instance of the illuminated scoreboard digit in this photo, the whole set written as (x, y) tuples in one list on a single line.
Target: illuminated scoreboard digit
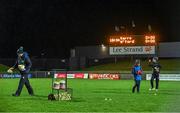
[(150, 39), (132, 40)]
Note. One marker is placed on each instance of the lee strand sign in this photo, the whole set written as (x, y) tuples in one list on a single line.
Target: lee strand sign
[(132, 50)]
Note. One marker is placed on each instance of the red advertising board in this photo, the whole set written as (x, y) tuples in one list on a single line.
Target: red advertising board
[(60, 75), (79, 75), (105, 76)]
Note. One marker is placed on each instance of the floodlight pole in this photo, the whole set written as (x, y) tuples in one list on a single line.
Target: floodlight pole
[(66, 81), (54, 72), (66, 75), (115, 59)]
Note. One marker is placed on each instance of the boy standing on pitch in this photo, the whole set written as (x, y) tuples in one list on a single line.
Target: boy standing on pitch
[(137, 72), (23, 63), (155, 74)]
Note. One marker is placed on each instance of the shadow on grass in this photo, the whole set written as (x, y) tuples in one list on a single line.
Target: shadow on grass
[(77, 100), (142, 92), (40, 96), (28, 97), (169, 93), (45, 98), (115, 91), (165, 92)]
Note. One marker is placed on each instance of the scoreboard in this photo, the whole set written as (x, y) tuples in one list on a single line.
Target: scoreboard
[(132, 40), (132, 45)]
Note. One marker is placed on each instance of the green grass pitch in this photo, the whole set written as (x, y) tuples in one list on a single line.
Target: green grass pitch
[(89, 96)]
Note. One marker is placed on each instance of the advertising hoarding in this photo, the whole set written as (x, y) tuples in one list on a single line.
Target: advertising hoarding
[(132, 50), (104, 76)]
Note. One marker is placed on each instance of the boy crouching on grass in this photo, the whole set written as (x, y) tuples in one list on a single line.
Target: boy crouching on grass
[(137, 72)]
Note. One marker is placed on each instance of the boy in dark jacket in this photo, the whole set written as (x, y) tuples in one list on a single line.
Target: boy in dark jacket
[(23, 64), (137, 72), (155, 74)]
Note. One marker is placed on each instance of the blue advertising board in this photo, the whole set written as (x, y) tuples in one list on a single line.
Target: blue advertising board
[(5, 75)]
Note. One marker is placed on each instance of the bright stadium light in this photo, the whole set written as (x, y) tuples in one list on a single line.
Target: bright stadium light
[(63, 60), (103, 47)]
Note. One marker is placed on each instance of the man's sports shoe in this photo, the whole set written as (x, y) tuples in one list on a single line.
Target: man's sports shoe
[(15, 95), (156, 90), (31, 94)]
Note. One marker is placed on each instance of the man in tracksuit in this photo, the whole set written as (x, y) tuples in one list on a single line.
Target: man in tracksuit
[(137, 72), (23, 64), (155, 75)]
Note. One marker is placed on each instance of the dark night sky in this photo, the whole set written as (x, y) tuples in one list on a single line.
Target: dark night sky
[(56, 26)]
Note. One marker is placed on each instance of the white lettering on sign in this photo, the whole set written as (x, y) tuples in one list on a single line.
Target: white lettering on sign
[(129, 50)]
